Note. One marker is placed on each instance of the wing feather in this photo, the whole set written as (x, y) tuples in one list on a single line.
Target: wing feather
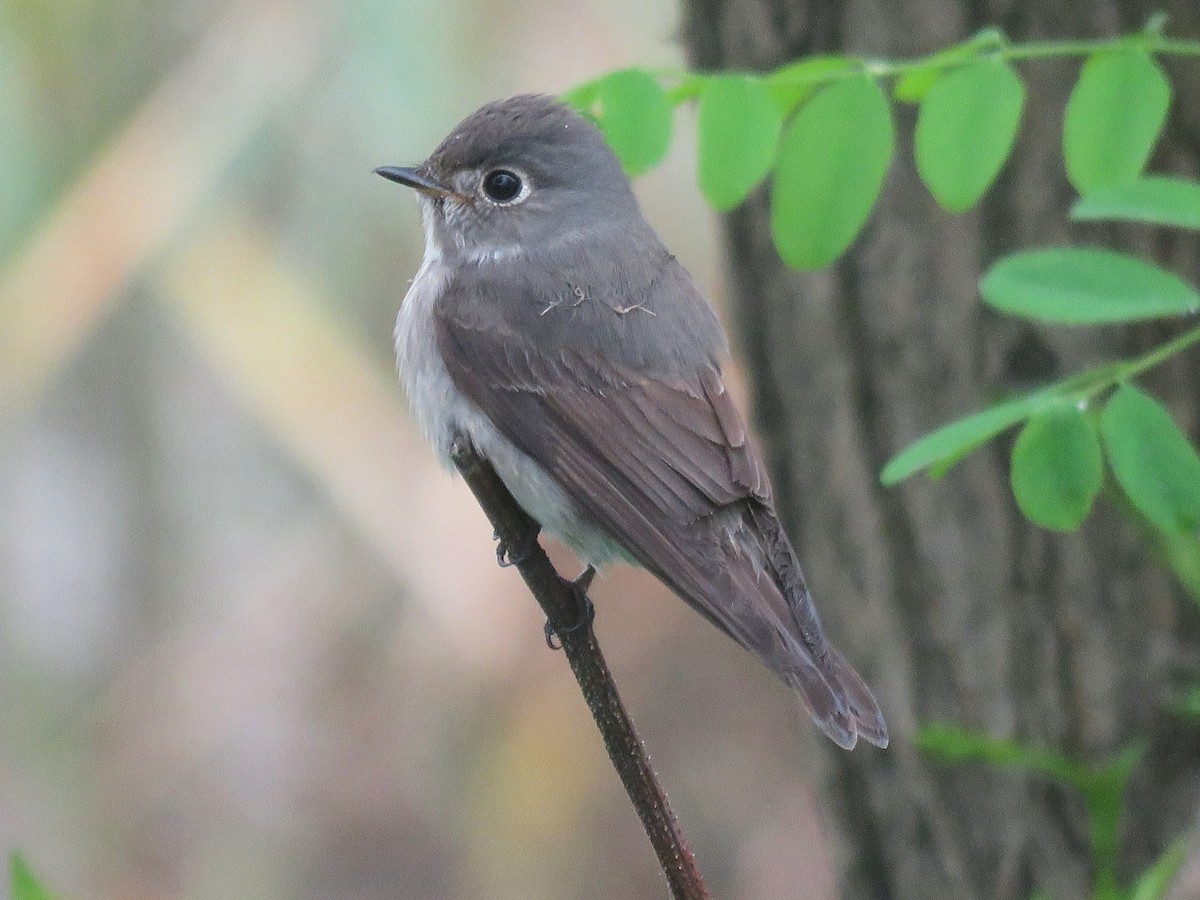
[(664, 464)]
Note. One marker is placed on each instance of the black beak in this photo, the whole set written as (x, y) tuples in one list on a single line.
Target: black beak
[(412, 177)]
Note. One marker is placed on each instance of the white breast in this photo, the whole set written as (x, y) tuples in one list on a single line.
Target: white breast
[(443, 414), (440, 410)]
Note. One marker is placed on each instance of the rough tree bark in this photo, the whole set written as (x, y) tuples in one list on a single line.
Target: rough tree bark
[(952, 605)]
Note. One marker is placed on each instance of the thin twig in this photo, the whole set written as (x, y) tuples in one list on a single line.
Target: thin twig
[(565, 608)]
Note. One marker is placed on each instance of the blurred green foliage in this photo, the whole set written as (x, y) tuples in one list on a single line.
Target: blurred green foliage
[(22, 883), (1102, 788)]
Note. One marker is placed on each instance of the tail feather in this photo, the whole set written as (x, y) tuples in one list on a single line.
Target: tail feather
[(811, 665), (868, 718), (827, 709), (756, 594), (835, 696)]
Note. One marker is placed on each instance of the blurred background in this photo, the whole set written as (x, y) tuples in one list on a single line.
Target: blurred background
[(253, 641)]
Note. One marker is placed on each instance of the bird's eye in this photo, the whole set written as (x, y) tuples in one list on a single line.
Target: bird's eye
[(502, 186)]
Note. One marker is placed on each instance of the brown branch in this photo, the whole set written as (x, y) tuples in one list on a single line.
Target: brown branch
[(568, 616)]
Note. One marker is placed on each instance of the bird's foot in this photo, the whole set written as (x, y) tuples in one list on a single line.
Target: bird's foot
[(579, 587), (514, 556), (583, 582)]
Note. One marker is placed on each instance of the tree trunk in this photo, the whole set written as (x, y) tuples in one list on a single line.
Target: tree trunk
[(952, 605)]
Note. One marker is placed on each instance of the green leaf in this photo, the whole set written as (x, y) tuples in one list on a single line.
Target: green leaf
[(1156, 881), (793, 83), (1182, 553), (1187, 702), (831, 167), (956, 439), (951, 744), (1057, 468), (23, 884), (1103, 790), (633, 112), (1155, 199), (913, 85), (582, 96), (738, 133), (1154, 463), (1084, 286), (965, 130), (1114, 118)]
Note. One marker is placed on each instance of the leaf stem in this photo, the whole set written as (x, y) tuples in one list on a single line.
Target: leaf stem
[(1082, 387), (1159, 354), (687, 84)]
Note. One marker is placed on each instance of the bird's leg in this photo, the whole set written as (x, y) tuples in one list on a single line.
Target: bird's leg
[(583, 581), (578, 587), (513, 556)]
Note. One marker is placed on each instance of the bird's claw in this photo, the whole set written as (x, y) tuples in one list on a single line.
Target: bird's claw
[(506, 556), (580, 588)]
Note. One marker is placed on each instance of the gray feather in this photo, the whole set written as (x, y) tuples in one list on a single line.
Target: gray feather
[(560, 337)]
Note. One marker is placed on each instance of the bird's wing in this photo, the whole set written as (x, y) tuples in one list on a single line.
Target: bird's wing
[(651, 460), (666, 467)]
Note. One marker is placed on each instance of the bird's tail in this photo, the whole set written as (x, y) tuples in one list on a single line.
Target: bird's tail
[(774, 618), (836, 697), (752, 588)]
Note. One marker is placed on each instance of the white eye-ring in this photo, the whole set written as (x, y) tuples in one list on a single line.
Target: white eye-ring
[(504, 187)]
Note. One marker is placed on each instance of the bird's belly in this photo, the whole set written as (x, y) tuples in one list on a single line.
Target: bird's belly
[(445, 414)]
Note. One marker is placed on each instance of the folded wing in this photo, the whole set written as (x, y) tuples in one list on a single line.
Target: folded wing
[(663, 463)]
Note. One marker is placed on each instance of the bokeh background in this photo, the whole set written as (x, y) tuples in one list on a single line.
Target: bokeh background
[(253, 641)]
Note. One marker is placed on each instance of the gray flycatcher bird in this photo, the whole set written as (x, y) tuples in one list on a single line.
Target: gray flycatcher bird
[(550, 328)]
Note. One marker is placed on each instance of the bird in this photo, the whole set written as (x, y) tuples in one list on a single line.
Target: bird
[(550, 328)]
